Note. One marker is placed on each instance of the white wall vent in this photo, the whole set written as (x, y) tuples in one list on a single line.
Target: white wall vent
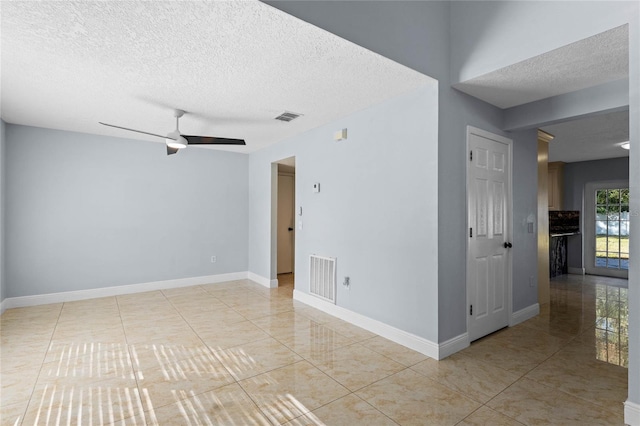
[(322, 277)]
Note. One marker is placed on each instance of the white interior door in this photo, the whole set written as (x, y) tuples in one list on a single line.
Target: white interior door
[(489, 216), (286, 226)]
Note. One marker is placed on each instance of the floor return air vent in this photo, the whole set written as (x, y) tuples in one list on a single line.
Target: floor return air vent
[(322, 279)]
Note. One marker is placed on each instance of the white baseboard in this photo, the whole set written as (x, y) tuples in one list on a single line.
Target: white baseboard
[(396, 335), (524, 314), (263, 281), (631, 413), (453, 345), (576, 271), (70, 296), (3, 306)]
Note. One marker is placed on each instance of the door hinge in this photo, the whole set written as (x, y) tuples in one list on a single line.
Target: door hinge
[(470, 155), (470, 232), (470, 309)]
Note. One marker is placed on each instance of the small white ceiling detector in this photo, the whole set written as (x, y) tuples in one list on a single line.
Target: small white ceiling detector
[(340, 135)]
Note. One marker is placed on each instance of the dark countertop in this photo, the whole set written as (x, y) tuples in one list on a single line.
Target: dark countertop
[(564, 234)]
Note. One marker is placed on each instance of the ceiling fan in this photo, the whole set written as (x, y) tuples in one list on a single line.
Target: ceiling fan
[(176, 140)]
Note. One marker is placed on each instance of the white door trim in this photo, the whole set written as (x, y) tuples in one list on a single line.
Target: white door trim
[(509, 218)]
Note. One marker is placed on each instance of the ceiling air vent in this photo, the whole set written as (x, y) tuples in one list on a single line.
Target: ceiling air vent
[(288, 116)]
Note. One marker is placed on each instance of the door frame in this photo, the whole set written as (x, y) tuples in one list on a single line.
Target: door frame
[(588, 217), (273, 261), (508, 217)]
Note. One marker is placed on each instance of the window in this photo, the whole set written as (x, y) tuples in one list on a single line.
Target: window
[(606, 228), (612, 228)]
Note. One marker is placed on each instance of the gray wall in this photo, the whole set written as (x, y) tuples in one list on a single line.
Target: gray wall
[(489, 35), (525, 208), (608, 97), (375, 211), (2, 204), (413, 33), (634, 182), (417, 34), (576, 176), (457, 110), (86, 211)]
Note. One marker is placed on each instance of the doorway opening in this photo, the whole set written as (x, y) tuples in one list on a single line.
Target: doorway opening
[(286, 227)]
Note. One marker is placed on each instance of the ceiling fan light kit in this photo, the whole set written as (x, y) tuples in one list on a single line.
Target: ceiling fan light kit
[(176, 141)]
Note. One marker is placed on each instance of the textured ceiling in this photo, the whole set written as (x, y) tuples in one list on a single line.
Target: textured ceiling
[(233, 66), (591, 138), (586, 63)]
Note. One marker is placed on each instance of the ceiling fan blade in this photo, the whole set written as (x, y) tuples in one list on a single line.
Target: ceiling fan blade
[(171, 150), (210, 140), (133, 130)]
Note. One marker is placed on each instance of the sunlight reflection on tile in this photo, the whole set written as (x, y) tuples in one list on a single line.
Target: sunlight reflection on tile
[(236, 359), (55, 404), (186, 356), (315, 343), (228, 405), (182, 379), (90, 359), (157, 354), (288, 392), (256, 357), (12, 414)]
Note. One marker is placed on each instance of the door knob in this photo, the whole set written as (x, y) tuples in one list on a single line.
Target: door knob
[(290, 229), (508, 245)]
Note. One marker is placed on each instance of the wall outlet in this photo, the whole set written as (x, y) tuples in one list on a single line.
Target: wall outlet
[(347, 282), (213, 259)]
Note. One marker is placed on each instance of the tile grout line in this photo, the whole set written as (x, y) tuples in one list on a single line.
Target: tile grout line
[(212, 353), (33, 388), (238, 382), (131, 360)]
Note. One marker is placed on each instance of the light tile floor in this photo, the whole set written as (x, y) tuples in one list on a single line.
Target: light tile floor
[(240, 354)]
